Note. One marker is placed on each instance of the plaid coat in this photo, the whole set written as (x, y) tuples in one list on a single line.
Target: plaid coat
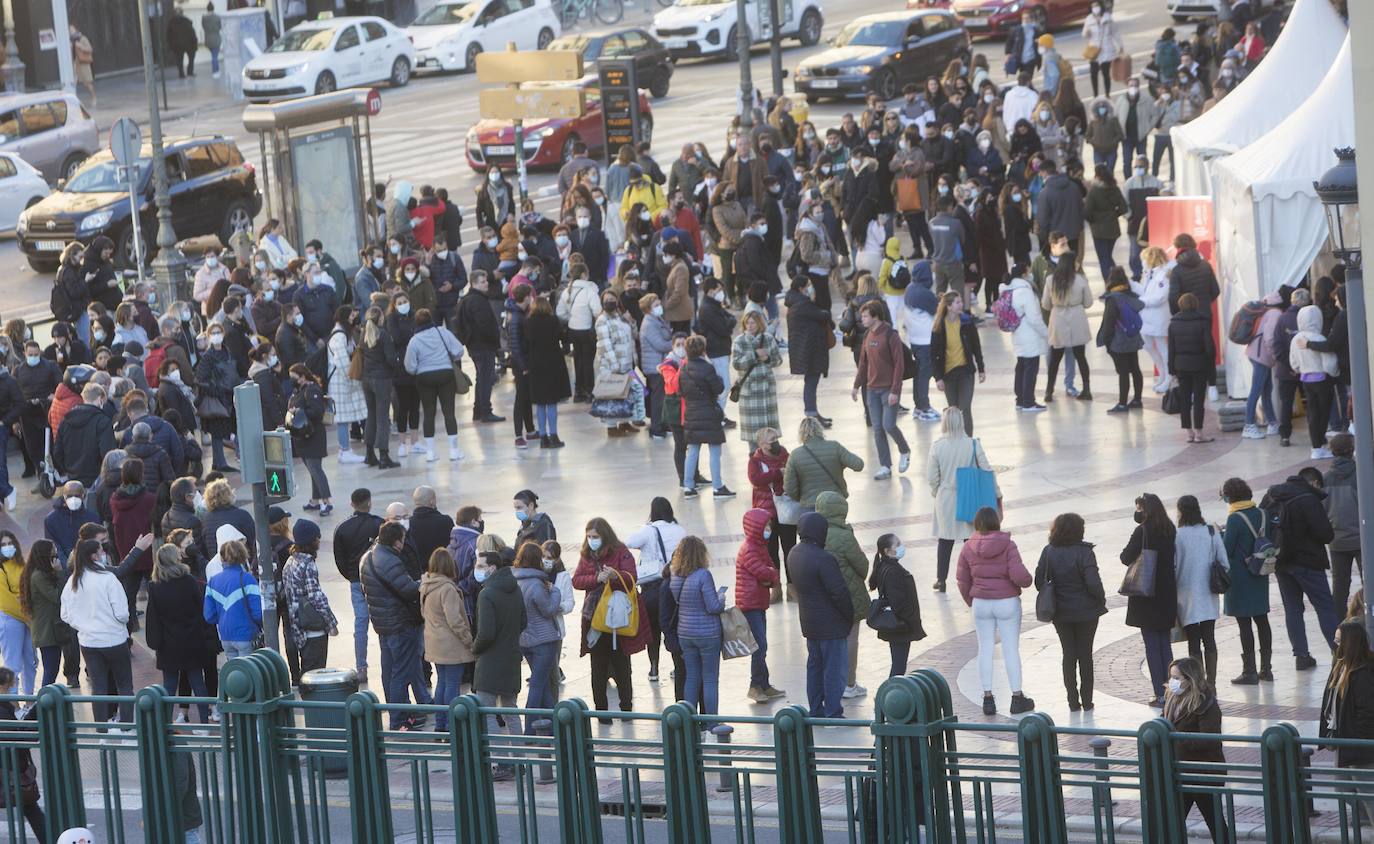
[(615, 346), (758, 397), (347, 394), (301, 582)]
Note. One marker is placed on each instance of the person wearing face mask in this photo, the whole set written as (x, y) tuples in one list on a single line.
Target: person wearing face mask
[(641, 190), (317, 303), (605, 563), (1101, 46), (478, 328), (70, 296), (1191, 706), (674, 410), (534, 525), (1068, 565), (272, 240), (393, 605), (495, 200), (447, 276), (38, 379), (69, 513), (447, 630), (85, 435), (93, 604), (655, 343), (208, 274), (1020, 47), (900, 622), (859, 192), (16, 637), (1104, 133), (579, 305), (1138, 114), (381, 365), (744, 171), (345, 391), (1019, 102), (1156, 614), (717, 325), (590, 242), (290, 340), (368, 279)]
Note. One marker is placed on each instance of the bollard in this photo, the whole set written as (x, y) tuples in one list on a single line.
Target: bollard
[(1306, 764), (544, 773), (722, 733), (1099, 746)]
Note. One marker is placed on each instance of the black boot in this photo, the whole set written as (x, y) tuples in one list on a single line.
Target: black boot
[(384, 461), (1247, 677), (1210, 660), (371, 458), (1266, 672)]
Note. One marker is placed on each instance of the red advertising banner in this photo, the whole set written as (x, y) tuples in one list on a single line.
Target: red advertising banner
[(1169, 216)]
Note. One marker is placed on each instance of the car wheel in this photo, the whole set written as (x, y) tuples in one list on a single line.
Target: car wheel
[(126, 256), (1041, 18), (658, 88), (732, 45), (608, 12), (42, 265), (325, 83), (812, 99), (567, 153), (646, 128), (473, 51), (1180, 18), (885, 85), (545, 38), (400, 72), (236, 216), (74, 161), (811, 24)]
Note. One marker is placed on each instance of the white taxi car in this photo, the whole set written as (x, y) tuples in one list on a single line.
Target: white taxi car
[(319, 56), (451, 34)]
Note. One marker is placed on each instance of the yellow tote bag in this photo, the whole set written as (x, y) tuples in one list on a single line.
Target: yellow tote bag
[(617, 616)]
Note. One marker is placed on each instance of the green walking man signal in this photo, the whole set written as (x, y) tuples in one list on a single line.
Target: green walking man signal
[(276, 463)]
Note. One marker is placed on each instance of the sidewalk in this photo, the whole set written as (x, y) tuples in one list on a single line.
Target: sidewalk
[(125, 95)]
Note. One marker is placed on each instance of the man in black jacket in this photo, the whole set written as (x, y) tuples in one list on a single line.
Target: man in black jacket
[(352, 538), (393, 604), (826, 615), (163, 435), (477, 328), (1284, 375), (38, 378), (429, 528), (182, 514), (449, 277), (11, 405), (1060, 207), (717, 325), (1192, 274), (752, 260), (590, 242), (85, 436), (1295, 509), (452, 221)]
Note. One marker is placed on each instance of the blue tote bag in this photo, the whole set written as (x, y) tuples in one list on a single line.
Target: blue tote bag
[(975, 488)]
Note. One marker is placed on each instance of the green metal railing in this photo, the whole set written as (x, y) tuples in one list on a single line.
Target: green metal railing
[(270, 774)]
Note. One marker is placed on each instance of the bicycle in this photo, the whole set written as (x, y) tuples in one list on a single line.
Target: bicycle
[(606, 12)]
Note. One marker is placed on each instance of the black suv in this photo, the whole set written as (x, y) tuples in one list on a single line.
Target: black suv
[(213, 191), (653, 62)]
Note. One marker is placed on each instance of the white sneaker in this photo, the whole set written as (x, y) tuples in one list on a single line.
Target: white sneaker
[(12, 500), (454, 452), (904, 462), (350, 457), (179, 718), (214, 713), (882, 474), (1212, 395), (854, 691), (1321, 454), (402, 450), (420, 447), (1329, 435), (1252, 432), (1272, 430), (430, 450)]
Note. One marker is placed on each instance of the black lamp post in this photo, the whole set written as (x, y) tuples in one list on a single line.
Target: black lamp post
[(1340, 198)]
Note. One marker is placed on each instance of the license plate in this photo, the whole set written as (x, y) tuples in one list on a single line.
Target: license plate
[(501, 149), (52, 245), (975, 23), (825, 83), (675, 43)]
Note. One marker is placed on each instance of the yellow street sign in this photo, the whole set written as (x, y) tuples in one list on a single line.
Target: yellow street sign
[(530, 103), (529, 66)]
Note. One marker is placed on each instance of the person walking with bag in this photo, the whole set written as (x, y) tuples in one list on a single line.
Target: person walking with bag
[(897, 618), (305, 418), (991, 577), (1197, 549), (1247, 598), (605, 563), (1071, 595), (699, 605), (312, 620), (954, 450), (1101, 45), (1152, 605), (881, 370)]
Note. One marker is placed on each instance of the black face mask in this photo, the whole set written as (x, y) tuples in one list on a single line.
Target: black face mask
[(1139, 517), (481, 526)]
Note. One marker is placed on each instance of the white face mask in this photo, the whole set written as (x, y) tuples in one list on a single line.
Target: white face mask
[(904, 144), (403, 308), (260, 265), (645, 216), (269, 295), (984, 145), (198, 501), (174, 375), (719, 295), (988, 98), (298, 319), (763, 230), (8, 551), (1175, 685), (211, 261), (73, 503), (584, 222), (272, 360), (1016, 197), (657, 310), (395, 248), (1045, 116), (312, 257), (1140, 171), (441, 254), (1132, 90), (491, 243), (494, 176), (216, 339), (562, 240), (410, 275), (949, 136)]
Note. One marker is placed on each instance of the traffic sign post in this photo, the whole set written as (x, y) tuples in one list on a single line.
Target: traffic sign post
[(126, 145), (516, 104), (619, 104), (260, 452)]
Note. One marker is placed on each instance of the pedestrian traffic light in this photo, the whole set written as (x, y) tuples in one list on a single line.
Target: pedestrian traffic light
[(277, 470)]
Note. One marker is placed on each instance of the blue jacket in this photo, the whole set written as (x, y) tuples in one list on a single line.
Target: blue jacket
[(61, 526), (823, 600), (164, 435), (233, 603), (698, 605), (365, 283), (919, 296), (443, 271)]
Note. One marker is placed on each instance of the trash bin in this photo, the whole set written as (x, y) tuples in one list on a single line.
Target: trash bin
[(333, 685)]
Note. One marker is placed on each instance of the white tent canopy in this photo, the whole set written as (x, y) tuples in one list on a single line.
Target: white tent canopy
[(1270, 224), (1291, 71)]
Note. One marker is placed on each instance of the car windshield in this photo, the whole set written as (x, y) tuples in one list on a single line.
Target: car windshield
[(871, 34), (447, 13), (105, 178), (303, 40)]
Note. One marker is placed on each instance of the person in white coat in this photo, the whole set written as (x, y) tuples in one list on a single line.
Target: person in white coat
[(579, 304), (1196, 546), (1153, 290), (94, 604), (1101, 44), (655, 541), (1019, 102), (1030, 341), (954, 449), (345, 393)]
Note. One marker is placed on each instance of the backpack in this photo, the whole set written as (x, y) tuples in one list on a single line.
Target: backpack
[(1275, 527), (60, 303), (152, 363), (795, 265), (1007, 318), (1264, 554), (1245, 323), (1128, 320)]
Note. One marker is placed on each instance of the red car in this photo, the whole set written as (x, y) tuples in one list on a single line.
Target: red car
[(548, 143), (985, 18)]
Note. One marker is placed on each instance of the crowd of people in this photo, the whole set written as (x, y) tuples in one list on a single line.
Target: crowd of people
[(650, 300)]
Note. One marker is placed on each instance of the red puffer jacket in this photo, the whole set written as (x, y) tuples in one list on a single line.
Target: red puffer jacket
[(754, 571), (765, 474), (584, 578)]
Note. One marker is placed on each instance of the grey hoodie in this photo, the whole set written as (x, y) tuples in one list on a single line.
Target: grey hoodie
[(1343, 505)]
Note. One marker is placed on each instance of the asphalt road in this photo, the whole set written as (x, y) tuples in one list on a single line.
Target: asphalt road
[(420, 133)]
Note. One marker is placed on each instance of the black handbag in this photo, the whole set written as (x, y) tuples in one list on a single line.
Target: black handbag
[(1045, 600), (1172, 403), (310, 619), (1220, 575), (210, 407), (1139, 581), (881, 618)]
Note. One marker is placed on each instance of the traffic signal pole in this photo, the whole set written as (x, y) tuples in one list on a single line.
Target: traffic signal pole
[(248, 413)]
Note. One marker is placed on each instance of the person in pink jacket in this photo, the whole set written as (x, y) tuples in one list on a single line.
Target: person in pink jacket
[(991, 577)]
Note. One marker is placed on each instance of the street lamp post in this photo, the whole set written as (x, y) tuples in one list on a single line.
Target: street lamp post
[(169, 267), (13, 70), (1340, 196), (743, 42)]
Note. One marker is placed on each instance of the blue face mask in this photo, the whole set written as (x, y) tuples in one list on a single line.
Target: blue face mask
[(480, 574), (594, 543), (522, 515)]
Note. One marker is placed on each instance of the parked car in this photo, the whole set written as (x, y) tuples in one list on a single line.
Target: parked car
[(710, 27), (1185, 10), (995, 17), (50, 130), (548, 143), (213, 192), (21, 185), (451, 34), (881, 53), (653, 62), (319, 56)]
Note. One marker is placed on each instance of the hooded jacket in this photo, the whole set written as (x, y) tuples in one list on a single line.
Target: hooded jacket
[(83, 439), (990, 567), (1342, 505), (1304, 528), (1191, 347), (1193, 275), (543, 607), (233, 603), (754, 569), (501, 622), (921, 303), (62, 526), (1309, 360), (823, 601), (1031, 339), (448, 628), (840, 541), (1059, 208)]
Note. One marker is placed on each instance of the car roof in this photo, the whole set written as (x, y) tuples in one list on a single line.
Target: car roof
[(20, 100), (899, 15), (606, 32)]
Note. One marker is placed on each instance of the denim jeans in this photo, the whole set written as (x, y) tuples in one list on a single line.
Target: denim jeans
[(341, 436), (401, 672), (1294, 583), (233, 650), (827, 660), (920, 385), (1159, 652), (448, 682), (722, 367), (196, 681), (543, 661), (1027, 370), (546, 419), (1099, 158), (360, 619), (1261, 390), (702, 655), (758, 661), (1137, 268), (810, 382), (883, 417), (16, 649), (689, 470)]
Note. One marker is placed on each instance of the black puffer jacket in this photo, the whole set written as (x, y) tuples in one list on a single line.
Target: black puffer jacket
[(807, 324), (700, 387), (822, 595), (157, 466), (1304, 529), (86, 434), (716, 325), (1078, 592), (1193, 275), (380, 361), (182, 517), (1191, 347), (393, 596), (352, 538)]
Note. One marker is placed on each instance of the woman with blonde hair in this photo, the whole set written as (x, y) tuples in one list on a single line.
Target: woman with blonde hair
[(754, 357), (1190, 704), (954, 449), (380, 367), (1067, 297), (956, 353), (448, 630), (1153, 290), (699, 605)]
